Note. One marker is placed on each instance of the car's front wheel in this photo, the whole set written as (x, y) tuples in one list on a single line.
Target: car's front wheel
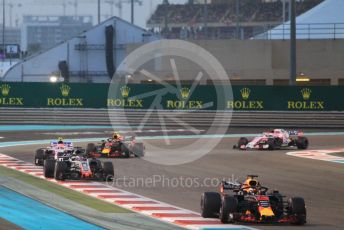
[(229, 206), (108, 170), (297, 210), (302, 143), (60, 169), (271, 144), (48, 168)]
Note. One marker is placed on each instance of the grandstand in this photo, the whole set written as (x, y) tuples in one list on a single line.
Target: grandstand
[(222, 19)]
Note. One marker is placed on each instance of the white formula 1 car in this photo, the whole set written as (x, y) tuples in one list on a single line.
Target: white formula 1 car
[(57, 150), (274, 139)]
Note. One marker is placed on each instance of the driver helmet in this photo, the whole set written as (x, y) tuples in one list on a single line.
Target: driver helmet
[(116, 136), (60, 140), (251, 185)]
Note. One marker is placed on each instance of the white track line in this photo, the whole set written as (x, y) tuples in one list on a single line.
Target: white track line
[(319, 155)]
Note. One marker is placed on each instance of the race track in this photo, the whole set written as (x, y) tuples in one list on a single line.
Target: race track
[(319, 182)]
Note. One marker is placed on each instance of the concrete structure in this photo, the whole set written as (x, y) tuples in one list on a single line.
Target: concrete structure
[(262, 62), (12, 35), (85, 55), (47, 31)]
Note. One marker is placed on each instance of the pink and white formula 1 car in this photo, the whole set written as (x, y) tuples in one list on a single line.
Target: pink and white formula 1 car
[(275, 139)]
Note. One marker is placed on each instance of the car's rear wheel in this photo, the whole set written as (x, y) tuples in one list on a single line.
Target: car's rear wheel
[(242, 141), (91, 148), (210, 204), (229, 206), (39, 157), (302, 143), (48, 168), (297, 209)]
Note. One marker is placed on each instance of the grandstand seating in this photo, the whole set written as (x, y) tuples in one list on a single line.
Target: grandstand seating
[(222, 15)]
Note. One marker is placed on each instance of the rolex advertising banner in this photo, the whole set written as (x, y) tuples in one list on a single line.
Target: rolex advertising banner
[(286, 98), (171, 97), (49, 95)]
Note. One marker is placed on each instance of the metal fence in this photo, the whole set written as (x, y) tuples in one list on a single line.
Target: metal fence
[(304, 31), (199, 119)]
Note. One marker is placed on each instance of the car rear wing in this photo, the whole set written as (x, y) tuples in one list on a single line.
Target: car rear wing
[(66, 143), (295, 133), (129, 138), (225, 185)]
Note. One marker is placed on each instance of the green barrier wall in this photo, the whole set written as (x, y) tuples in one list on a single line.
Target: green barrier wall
[(140, 96)]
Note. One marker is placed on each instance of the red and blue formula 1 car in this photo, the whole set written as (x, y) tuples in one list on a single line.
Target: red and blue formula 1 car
[(123, 147), (274, 139), (250, 202)]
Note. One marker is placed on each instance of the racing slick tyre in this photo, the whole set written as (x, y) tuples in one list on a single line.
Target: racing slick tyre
[(139, 150), (272, 144), (125, 151), (297, 210), (95, 165), (108, 170), (278, 143), (48, 168), (210, 204), (229, 206), (242, 141), (60, 169), (39, 157), (91, 148), (302, 143), (276, 201)]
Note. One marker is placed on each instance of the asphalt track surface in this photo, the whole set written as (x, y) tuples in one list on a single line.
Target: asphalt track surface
[(319, 182)]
